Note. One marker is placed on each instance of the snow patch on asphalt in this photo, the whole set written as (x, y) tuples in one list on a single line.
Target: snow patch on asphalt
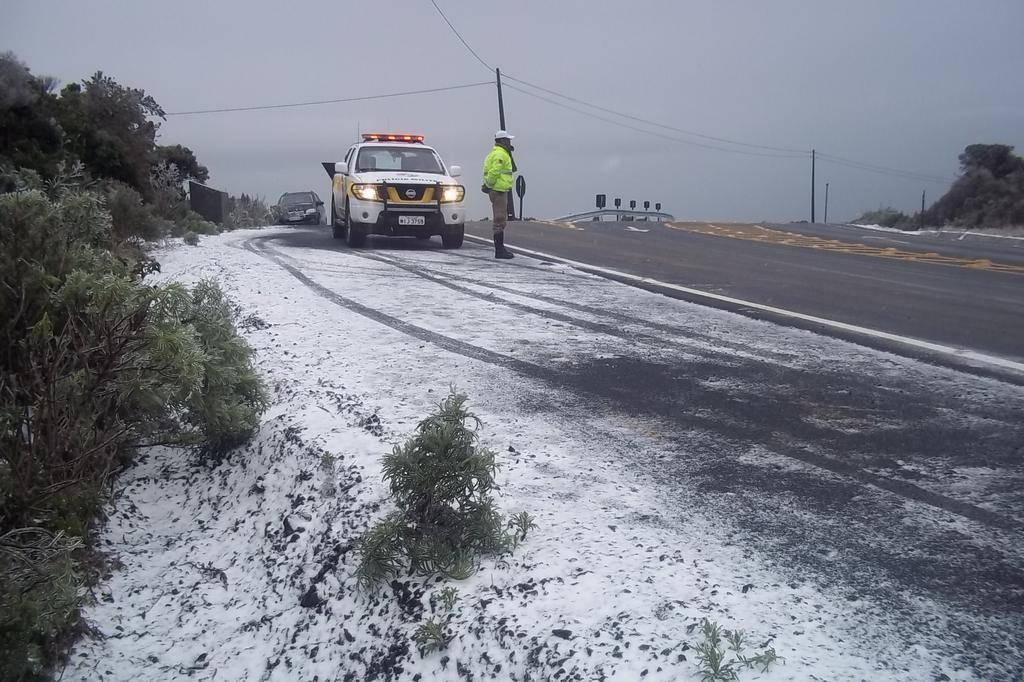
[(1001, 234)]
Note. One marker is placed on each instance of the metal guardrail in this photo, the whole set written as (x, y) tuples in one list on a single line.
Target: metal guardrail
[(618, 214)]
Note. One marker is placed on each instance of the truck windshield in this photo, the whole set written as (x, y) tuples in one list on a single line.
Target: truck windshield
[(414, 159)]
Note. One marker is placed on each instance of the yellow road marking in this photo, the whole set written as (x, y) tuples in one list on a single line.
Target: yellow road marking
[(760, 233)]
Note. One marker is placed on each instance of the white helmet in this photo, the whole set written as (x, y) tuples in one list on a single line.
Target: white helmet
[(503, 135)]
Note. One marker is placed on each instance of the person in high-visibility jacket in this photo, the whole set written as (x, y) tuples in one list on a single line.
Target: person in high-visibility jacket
[(498, 182)]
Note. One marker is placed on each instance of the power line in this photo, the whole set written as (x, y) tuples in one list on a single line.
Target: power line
[(459, 36), (656, 124), (851, 163), (789, 151), (783, 152), (883, 170), (905, 175), (655, 133), (329, 101)]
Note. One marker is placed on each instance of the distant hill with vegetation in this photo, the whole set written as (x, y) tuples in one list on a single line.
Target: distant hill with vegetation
[(988, 193)]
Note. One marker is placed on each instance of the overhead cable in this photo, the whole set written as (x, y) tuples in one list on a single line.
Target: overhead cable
[(329, 101)]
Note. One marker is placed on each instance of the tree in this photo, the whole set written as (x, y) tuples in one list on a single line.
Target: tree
[(989, 193), (997, 159), (29, 135), (108, 127), (184, 161)]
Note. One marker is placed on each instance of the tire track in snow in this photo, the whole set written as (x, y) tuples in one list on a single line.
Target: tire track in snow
[(676, 331), (449, 282), (620, 396)]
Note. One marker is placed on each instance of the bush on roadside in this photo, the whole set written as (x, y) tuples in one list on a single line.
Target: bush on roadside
[(886, 217), (193, 222), (96, 363), (226, 412), (39, 598), (441, 481), (988, 193), (130, 217), (191, 238), (19, 180), (246, 211)]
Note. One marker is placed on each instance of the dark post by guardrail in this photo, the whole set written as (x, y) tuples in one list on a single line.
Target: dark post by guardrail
[(210, 203)]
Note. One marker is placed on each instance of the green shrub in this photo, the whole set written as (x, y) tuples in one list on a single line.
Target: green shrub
[(193, 222), (246, 211), (441, 482), (191, 238), (167, 195), (989, 193), (130, 218), (715, 663), (225, 413), (95, 364), (19, 180), (38, 597), (887, 217)]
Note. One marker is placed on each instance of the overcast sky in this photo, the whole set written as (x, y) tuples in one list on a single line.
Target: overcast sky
[(898, 83)]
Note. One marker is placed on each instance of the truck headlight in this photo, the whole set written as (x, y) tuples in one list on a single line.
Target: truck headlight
[(453, 193), (310, 211), (366, 192)]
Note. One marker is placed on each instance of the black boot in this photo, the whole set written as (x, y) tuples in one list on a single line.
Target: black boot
[(499, 247)]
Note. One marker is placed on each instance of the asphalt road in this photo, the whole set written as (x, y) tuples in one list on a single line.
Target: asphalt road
[(967, 293)]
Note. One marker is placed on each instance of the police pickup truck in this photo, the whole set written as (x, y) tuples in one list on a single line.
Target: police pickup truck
[(395, 185)]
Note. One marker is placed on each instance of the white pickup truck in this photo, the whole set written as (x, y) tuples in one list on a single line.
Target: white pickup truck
[(394, 185)]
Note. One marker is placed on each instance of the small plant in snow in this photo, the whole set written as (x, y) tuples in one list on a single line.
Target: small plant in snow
[(253, 322), (191, 238), (442, 482), (329, 488), (432, 635), (449, 597), (522, 522), (715, 663), (711, 655)]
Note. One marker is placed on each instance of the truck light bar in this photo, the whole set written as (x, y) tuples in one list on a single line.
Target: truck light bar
[(391, 137)]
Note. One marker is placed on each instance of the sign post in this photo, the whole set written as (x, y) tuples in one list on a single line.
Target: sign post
[(521, 191)]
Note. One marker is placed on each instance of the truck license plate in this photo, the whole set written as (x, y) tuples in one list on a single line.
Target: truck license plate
[(412, 220)]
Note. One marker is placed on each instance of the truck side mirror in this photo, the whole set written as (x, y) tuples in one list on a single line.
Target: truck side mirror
[(340, 168), (456, 171)]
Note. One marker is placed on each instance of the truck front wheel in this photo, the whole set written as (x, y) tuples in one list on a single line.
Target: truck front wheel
[(453, 239), (356, 237)]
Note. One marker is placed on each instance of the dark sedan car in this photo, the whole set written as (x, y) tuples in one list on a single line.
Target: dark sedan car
[(299, 207)]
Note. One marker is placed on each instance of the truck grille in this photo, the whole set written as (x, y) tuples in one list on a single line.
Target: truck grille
[(418, 190)]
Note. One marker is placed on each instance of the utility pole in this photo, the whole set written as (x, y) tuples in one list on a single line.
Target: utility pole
[(826, 204), (501, 103), (501, 126), (922, 208), (813, 155)]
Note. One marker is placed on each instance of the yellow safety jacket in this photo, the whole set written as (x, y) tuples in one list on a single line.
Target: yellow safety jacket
[(498, 170)]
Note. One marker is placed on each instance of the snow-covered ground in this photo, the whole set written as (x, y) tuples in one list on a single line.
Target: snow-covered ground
[(1013, 233), (244, 570)]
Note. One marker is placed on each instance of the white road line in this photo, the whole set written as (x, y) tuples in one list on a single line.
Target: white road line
[(959, 353)]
